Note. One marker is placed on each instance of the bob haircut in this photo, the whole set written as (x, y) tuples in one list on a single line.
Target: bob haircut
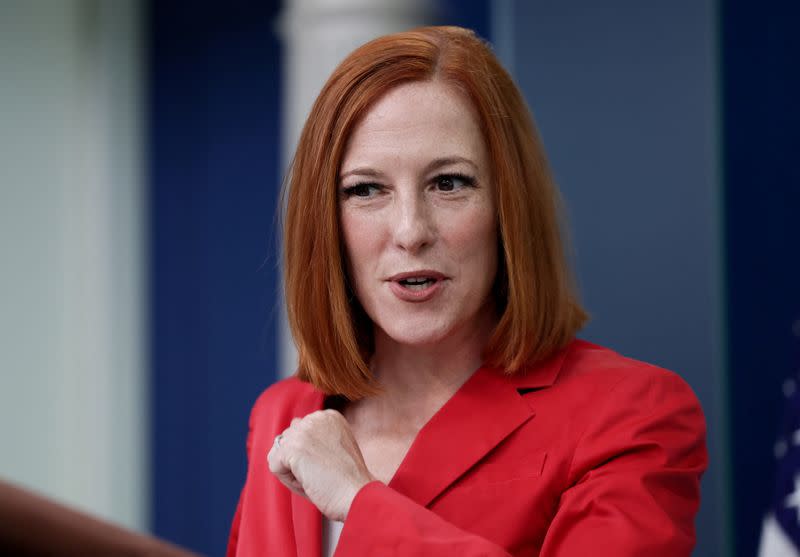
[(537, 307)]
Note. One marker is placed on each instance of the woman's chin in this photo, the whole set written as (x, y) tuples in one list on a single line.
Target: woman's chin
[(426, 331), (415, 334)]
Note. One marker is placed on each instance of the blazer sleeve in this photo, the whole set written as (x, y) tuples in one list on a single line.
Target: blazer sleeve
[(634, 481), (382, 521), (633, 488)]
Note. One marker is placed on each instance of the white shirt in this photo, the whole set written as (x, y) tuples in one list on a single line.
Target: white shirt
[(331, 530)]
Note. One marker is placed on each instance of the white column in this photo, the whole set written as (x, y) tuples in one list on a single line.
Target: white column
[(317, 35), (72, 366)]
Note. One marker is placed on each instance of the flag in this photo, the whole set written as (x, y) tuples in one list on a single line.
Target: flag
[(780, 536)]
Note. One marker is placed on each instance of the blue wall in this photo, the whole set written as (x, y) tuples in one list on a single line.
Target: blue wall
[(624, 93), (673, 132), (214, 179)]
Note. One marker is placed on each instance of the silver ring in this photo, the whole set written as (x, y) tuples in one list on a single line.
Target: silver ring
[(278, 440)]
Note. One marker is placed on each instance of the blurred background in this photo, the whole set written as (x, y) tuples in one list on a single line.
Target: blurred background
[(142, 148)]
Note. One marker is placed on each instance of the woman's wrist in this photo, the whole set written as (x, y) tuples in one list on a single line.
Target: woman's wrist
[(356, 488)]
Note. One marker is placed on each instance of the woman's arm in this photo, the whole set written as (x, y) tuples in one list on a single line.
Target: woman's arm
[(634, 487), (635, 475), (384, 522)]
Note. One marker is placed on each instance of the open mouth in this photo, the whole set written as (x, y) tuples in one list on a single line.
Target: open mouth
[(417, 283)]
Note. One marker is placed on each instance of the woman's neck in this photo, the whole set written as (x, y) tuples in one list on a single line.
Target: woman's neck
[(418, 379)]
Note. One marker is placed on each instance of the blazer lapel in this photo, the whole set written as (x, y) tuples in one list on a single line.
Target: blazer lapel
[(478, 417), (306, 519), (307, 522)]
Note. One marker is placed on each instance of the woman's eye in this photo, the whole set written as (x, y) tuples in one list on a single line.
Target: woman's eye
[(452, 182), (361, 190)]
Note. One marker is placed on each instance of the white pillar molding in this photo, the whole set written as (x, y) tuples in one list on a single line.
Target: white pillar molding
[(317, 35)]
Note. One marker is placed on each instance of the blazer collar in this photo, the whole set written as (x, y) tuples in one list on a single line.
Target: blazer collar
[(543, 374), (486, 409)]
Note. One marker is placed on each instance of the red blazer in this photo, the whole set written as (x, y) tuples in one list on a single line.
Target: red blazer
[(588, 453)]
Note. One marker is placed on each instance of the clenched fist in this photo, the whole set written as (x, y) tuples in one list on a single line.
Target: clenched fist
[(318, 457)]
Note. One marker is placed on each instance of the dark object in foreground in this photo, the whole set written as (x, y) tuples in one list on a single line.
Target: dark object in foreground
[(32, 525)]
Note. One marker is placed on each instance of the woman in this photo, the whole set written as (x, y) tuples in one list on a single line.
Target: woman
[(441, 404)]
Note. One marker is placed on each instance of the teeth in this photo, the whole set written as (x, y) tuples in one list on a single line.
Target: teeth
[(421, 286), (416, 283)]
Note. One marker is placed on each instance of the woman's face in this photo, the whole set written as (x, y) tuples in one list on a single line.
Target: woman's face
[(418, 217)]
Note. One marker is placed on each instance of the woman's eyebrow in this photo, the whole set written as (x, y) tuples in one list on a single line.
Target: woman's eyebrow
[(445, 161), (431, 166), (362, 171)]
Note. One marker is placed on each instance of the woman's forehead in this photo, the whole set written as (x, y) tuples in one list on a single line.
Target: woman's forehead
[(417, 120)]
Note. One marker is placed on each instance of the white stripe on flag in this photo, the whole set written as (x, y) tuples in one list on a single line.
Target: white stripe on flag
[(774, 541)]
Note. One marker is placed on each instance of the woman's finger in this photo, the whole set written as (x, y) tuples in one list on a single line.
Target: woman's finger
[(282, 471)]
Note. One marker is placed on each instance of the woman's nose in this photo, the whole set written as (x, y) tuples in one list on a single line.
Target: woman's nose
[(413, 227)]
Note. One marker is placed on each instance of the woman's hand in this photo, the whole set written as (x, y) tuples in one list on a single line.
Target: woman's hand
[(318, 457)]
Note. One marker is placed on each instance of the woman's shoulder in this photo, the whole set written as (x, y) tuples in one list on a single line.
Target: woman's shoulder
[(284, 400), (586, 362), (594, 376), (622, 406)]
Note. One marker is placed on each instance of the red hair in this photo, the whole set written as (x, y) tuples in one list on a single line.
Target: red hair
[(538, 311)]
